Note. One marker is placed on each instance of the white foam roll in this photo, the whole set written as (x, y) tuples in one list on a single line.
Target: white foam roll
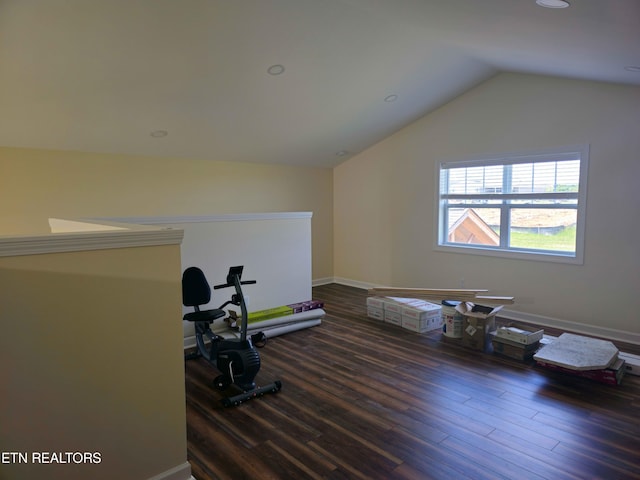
[(290, 327)]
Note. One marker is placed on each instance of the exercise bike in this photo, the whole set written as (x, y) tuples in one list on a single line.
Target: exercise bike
[(237, 358)]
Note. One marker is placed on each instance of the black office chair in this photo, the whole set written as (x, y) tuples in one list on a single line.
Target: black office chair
[(195, 293)]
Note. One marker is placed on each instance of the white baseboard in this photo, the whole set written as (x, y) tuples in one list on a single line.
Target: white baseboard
[(356, 283), (574, 327), (179, 472), (189, 342)]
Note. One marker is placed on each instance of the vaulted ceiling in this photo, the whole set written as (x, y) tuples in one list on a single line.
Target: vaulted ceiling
[(307, 82)]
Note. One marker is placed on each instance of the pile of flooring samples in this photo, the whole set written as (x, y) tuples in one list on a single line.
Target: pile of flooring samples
[(586, 357)]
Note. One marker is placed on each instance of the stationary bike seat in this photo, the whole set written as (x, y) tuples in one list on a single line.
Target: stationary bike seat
[(204, 315)]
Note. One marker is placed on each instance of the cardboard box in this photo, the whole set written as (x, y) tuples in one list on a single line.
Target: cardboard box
[(299, 307), (376, 302), (423, 317), (515, 350), (479, 325), (394, 318), (422, 325), (423, 310), (396, 304), (469, 309), (520, 334), (375, 313), (304, 306), (478, 333), (313, 304)]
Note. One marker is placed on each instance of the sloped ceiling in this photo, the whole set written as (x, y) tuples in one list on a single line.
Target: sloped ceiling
[(102, 75)]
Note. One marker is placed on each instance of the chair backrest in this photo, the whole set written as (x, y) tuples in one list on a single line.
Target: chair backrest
[(195, 288)]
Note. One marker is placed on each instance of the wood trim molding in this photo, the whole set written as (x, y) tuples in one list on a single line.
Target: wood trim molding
[(231, 217), (16, 245)]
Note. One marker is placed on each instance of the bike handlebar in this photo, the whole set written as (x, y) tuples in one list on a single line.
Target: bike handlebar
[(226, 285)]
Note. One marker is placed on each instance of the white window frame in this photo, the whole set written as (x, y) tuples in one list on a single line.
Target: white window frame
[(504, 251)]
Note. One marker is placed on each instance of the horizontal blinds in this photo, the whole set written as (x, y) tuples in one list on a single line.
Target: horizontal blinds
[(557, 179)]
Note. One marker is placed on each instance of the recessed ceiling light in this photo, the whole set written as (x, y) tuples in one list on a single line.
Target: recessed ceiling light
[(553, 3), (342, 153), (275, 70), (632, 68), (391, 98), (159, 133)]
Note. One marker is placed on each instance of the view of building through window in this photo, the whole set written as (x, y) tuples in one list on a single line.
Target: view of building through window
[(527, 203)]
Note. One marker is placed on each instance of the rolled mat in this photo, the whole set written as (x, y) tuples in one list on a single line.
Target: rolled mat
[(272, 327), (294, 318)]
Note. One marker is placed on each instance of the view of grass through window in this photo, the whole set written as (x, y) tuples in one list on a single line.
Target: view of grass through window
[(564, 240)]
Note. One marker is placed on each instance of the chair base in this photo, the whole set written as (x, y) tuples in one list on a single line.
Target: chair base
[(236, 400)]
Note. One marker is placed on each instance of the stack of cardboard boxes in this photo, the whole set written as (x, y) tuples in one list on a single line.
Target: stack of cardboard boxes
[(517, 341), (410, 313)]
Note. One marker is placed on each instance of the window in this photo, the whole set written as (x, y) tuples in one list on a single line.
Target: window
[(528, 205)]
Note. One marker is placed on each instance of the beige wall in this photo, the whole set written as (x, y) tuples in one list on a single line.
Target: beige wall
[(384, 227), (91, 360), (373, 216), (37, 184)]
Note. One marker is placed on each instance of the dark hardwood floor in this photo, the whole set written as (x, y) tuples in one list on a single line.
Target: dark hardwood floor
[(363, 399)]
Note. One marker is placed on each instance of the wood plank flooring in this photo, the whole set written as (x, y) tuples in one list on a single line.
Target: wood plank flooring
[(366, 400)]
